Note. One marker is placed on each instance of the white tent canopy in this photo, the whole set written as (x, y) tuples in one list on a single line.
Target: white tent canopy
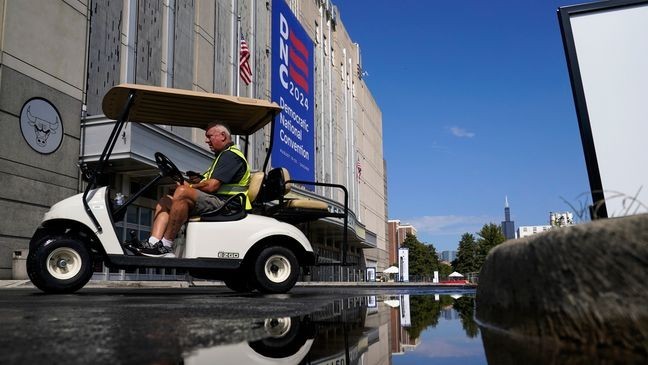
[(455, 275), (391, 270), (394, 303)]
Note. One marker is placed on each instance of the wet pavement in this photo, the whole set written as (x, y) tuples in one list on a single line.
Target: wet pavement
[(135, 324), (198, 325)]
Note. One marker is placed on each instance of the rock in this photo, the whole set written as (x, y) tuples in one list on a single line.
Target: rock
[(583, 288)]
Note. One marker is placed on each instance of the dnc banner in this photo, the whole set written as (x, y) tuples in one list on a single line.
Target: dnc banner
[(292, 89)]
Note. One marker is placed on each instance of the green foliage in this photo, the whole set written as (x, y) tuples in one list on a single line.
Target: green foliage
[(424, 312), (444, 270), (423, 259), (465, 306), (466, 255), (489, 237)]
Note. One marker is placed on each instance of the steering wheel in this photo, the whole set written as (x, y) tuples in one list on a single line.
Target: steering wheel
[(168, 168)]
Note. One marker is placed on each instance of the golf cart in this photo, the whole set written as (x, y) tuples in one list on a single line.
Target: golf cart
[(260, 249)]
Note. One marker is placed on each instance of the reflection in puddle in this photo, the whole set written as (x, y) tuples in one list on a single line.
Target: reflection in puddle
[(408, 329), (139, 327)]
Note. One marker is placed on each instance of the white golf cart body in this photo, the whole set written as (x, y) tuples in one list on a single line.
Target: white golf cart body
[(225, 240), (248, 251)]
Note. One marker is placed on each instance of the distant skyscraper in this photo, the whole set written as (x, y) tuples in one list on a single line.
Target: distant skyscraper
[(448, 256), (508, 226)]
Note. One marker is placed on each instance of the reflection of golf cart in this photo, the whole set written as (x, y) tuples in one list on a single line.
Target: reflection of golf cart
[(286, 340), (245, 250)]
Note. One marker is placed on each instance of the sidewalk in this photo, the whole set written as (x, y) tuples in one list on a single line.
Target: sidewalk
[(8, 284)]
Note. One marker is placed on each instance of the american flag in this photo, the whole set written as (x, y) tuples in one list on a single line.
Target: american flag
[(359, 168), (244, 63)]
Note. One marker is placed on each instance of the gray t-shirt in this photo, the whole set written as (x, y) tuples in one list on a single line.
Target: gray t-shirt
[(229, 169)]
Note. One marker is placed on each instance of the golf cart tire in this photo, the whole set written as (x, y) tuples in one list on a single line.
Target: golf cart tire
[(276, 270), (59, 265), (281, 345), (239, 284)]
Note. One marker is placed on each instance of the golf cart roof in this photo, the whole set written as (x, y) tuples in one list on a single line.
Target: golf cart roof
[(186, 108)]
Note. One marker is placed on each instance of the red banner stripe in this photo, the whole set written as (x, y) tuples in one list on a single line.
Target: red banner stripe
[(299, 45), (299, 79), (299, 62)]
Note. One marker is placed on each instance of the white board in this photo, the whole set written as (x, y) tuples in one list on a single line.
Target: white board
[(608, 52)]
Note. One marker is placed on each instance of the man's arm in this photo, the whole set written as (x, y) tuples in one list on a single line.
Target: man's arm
[(209, 186), (225, 171)]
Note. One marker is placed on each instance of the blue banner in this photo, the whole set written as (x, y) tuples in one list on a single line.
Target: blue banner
[(293, 90)]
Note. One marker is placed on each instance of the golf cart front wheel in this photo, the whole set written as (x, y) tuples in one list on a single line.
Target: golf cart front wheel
[(276, 270), (59, 265)]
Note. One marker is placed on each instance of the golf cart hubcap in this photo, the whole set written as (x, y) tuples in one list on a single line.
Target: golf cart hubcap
[(277, 269), (277, 327), (63, 263)]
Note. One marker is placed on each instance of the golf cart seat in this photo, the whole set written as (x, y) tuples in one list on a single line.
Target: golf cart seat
[(277, 186), (234, 207)]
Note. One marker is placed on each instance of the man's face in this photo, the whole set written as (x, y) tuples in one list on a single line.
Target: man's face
[(216, 138)]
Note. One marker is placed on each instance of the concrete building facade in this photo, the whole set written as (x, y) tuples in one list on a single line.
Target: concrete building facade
[(42, 88), (556, 220), (396, 234), (73, 52), (524, 231)]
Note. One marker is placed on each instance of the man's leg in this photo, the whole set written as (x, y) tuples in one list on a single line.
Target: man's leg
[(184, 199), (161, 218), (170, 216)]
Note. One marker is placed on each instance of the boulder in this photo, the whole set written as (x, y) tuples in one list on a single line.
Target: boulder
[(582, 288)]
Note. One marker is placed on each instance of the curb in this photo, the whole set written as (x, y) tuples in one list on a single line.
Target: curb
[(9, 284)]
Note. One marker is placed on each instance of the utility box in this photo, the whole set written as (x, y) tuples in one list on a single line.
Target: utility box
[(19, 265)]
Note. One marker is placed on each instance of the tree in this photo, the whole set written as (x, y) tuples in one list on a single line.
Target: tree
[(466, 255), (444, 270), (489, 237), (423, 259), (465, 306)]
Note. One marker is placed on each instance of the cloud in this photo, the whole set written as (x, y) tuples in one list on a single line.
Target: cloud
[(461, 132), (453, 347), (448, 224)]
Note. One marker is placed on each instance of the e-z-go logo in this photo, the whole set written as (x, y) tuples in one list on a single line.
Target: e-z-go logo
[(293, 70)]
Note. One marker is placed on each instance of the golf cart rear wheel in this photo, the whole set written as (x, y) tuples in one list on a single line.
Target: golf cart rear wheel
[(276, 270), (239, 284), (59, 265)]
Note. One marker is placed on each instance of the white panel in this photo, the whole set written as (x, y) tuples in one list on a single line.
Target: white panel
[(612, 50)]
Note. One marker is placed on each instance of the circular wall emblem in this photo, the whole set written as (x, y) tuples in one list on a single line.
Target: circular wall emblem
[(41, 125)]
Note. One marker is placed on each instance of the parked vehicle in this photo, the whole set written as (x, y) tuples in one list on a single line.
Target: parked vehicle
[(261, 249)]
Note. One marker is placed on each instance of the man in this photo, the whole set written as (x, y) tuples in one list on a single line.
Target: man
[(228, 175)]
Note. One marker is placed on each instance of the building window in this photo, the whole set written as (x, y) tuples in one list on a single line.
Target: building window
[(138, 219)]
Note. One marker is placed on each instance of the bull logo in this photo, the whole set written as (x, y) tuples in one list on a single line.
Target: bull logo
[(41, 125)]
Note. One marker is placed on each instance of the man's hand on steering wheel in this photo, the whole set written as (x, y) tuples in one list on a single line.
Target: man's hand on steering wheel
[(193, 177)]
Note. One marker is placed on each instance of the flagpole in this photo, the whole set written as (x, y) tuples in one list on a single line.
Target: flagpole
[(238, 60), (238, 51)]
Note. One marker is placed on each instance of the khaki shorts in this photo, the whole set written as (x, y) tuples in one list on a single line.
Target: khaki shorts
[(206, 203)]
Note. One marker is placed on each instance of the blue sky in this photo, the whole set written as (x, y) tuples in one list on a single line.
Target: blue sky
[(477, 105)]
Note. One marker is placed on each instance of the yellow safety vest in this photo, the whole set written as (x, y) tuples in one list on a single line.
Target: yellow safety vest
[(234, 188)]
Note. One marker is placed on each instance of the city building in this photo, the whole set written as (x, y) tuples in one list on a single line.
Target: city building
[(396, 234), (508, 226), (59, 58), (448, 256), (561, 219), (524, 231), (556, 220)]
